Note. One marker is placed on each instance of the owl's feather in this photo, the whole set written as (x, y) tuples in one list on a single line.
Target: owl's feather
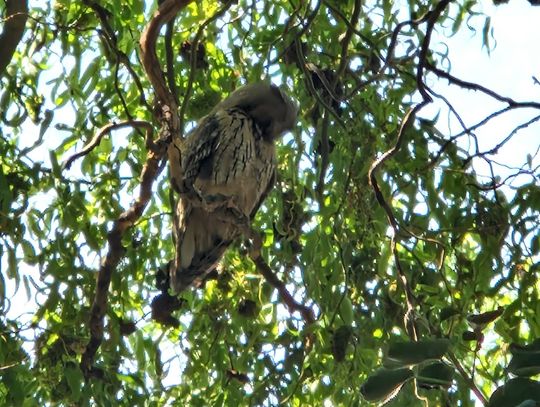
[(228, 158)]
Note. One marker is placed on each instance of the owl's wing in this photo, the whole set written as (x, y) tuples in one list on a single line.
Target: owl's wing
[(198, 154)]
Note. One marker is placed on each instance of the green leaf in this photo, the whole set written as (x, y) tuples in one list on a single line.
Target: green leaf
[(435, 375), (525, 359), (75, 380), (514, 392), (411, 353), (346, 311), (384, 384)]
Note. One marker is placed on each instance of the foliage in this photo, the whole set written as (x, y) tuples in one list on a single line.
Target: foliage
[(427, 273)]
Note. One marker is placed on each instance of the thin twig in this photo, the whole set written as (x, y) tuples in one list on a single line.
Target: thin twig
[(193, 59), (474, 86), (495, 149), (274, 281), (101, 133), (430, 17), (472, 385)]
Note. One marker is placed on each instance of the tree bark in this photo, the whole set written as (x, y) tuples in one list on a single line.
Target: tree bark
[(15, 20)]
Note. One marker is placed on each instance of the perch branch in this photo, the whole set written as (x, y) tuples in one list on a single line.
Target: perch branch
[(156, 152), (228, 214), (478, 393), (149, 173)]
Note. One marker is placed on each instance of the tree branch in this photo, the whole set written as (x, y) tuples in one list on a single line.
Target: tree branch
[(105, 130), (495, 149), (474, 86), (156, 152), (472, 385), (149, 173), (430, 17), (165, 13), (169, 57), (274, 281), (14, 23)]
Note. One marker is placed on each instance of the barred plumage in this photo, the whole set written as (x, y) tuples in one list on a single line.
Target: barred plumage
[(229, 156)]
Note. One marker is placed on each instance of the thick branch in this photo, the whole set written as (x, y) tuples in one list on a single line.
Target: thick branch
[(149, 173), (14, 22), (156, 152), (165, 13)]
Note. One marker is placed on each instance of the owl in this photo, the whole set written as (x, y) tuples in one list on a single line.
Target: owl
[(227, 162)]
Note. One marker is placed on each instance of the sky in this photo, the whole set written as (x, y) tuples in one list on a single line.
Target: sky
[(508, 68)]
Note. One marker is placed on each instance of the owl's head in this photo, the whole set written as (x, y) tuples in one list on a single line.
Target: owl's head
[(267, 105)]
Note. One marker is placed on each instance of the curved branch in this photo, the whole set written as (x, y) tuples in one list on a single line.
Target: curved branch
[(14, 22), (430, 17), (274, 281), (102, 132), (156, 152), (126, 220), (475, 86), (165, 13)]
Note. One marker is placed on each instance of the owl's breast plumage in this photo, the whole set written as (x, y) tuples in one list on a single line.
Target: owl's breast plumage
[(228, 160), (242, 163)]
